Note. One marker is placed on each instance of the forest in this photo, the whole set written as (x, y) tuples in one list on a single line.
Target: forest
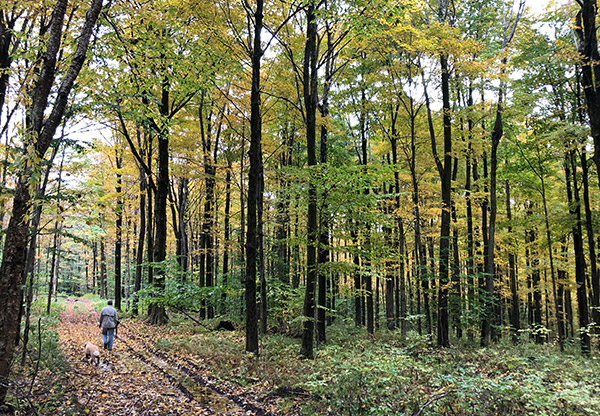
[(299, 207)]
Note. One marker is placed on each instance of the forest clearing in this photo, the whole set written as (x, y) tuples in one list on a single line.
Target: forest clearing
[(299, 207)]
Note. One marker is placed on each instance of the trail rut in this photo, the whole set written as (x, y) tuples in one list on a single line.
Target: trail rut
[(136, 378)]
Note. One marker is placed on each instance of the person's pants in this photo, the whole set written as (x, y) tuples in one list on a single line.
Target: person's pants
[(107, 336)]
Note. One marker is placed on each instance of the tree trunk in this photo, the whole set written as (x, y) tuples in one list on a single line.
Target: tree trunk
[(536, 287), (118, 229), (207, 230), (156, 313), (140, 243), (390, 274), (594, 276), (182, 226), (261, 253), (94, 265), (323, 251), (471, 277), (401, 296), (254, 186), (552, 271), (445, 177), (310, 105), (358, 289), (227, 232), (366, 240), (490, 266), (103, 273), (150, 213), (515, 321), (282, 266), (481, 283), (456, 304), (575, 211), (7, 25), (585, 27), (456, 295)]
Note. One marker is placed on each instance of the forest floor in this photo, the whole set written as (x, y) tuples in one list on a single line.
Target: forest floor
[(136, 378), (187, 368)]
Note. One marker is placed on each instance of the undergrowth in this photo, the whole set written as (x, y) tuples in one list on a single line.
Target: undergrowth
[(40, 384), (385, 374), (352, 374)]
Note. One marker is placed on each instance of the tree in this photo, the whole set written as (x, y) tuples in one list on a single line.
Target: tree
[(37, 140), (508, 28), (310, 107), (254, 181), (118, 225)]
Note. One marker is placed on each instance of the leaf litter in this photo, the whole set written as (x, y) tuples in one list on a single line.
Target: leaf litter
[(137, 379)]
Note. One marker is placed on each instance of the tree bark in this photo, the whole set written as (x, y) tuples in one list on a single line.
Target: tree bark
[(445, 177), (261, 253), (227, 232), (150, 210), (210, 148), (490, 264), (281, 263), (254, 186), (585, 27), (118, 229), (140, 243), (310, 105), (156, 313), (515, 321), (401, 293), (399, 243), (366, 240), (456, 294), (182, 226), (594, 276), (323, 251), (358, 289), (575, 211), (103, 273)]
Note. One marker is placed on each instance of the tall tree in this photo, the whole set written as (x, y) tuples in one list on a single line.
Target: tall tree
[(118, 225), (254, 181), (445, 172), (45, 117), (310, 107), (509, 27), (580, 267)]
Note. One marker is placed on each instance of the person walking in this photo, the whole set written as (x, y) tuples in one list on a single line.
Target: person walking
[(108, 321)]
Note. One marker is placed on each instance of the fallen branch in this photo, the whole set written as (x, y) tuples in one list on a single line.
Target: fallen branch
[(432, 399), (191, 317)]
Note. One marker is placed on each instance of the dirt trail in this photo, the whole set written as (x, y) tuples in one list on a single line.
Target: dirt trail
[(137, 379)]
